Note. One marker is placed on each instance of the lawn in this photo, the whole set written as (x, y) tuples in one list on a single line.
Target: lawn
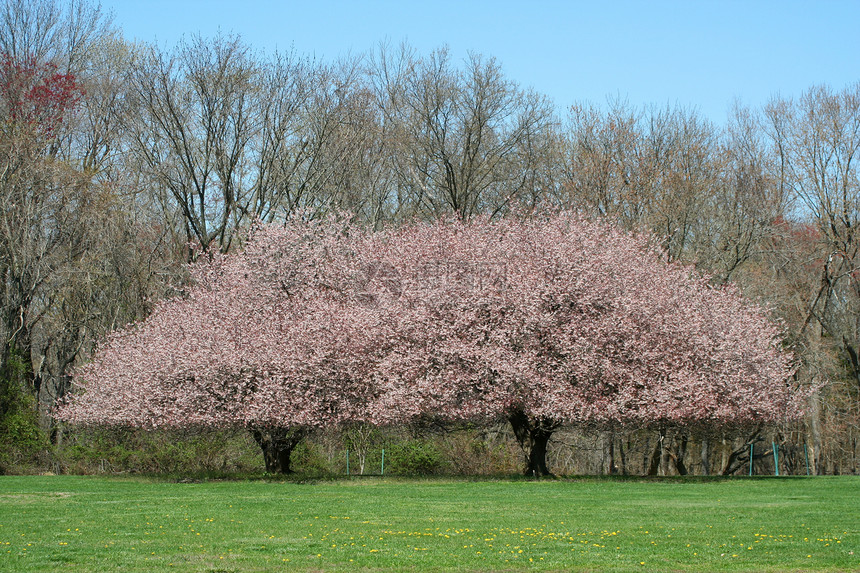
[(61, 523)]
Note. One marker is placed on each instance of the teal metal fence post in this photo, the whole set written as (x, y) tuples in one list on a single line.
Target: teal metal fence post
[(347, 462), (751, 457), (775, 459), (382, 469)]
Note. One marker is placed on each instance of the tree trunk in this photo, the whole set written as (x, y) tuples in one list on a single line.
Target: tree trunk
[(706, 456), (737, 458), (664, 453), (729, 466), (680, 453), (815, 456), (653, 466), (622, 455), (277, 445), (607, 465), (533, 437)]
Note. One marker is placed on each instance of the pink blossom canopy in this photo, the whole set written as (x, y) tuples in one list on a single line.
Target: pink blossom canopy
[(559, 317)]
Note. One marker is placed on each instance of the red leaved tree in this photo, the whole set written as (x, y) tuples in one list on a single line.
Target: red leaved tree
[(543, 321), (34, 97)]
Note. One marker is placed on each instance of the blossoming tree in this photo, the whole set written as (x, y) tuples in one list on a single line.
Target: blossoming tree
[(264, 340), (540, 321), (561, 320)]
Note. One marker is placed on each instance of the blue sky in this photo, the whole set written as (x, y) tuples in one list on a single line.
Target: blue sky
[(701, 54)]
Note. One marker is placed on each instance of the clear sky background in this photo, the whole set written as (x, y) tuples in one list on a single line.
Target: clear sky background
[(696, 53)]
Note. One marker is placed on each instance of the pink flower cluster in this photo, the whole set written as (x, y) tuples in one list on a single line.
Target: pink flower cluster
[(558, 317)]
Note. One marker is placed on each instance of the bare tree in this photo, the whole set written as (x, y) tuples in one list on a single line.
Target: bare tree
[(602, 162), (98, 145), (64, 33), (315, 131), (467, 139), (743, 203), (230, 137), (191, 127), (816, 143), (654, 169)]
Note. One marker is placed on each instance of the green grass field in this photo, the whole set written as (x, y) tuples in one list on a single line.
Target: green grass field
[(61, 523)]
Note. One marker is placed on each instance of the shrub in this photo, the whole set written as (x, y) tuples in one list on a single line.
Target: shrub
[(413, 457), (24, 443), (99, 450)]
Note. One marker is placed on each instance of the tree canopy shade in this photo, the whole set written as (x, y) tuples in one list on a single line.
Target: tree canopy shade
[(542, 321)]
